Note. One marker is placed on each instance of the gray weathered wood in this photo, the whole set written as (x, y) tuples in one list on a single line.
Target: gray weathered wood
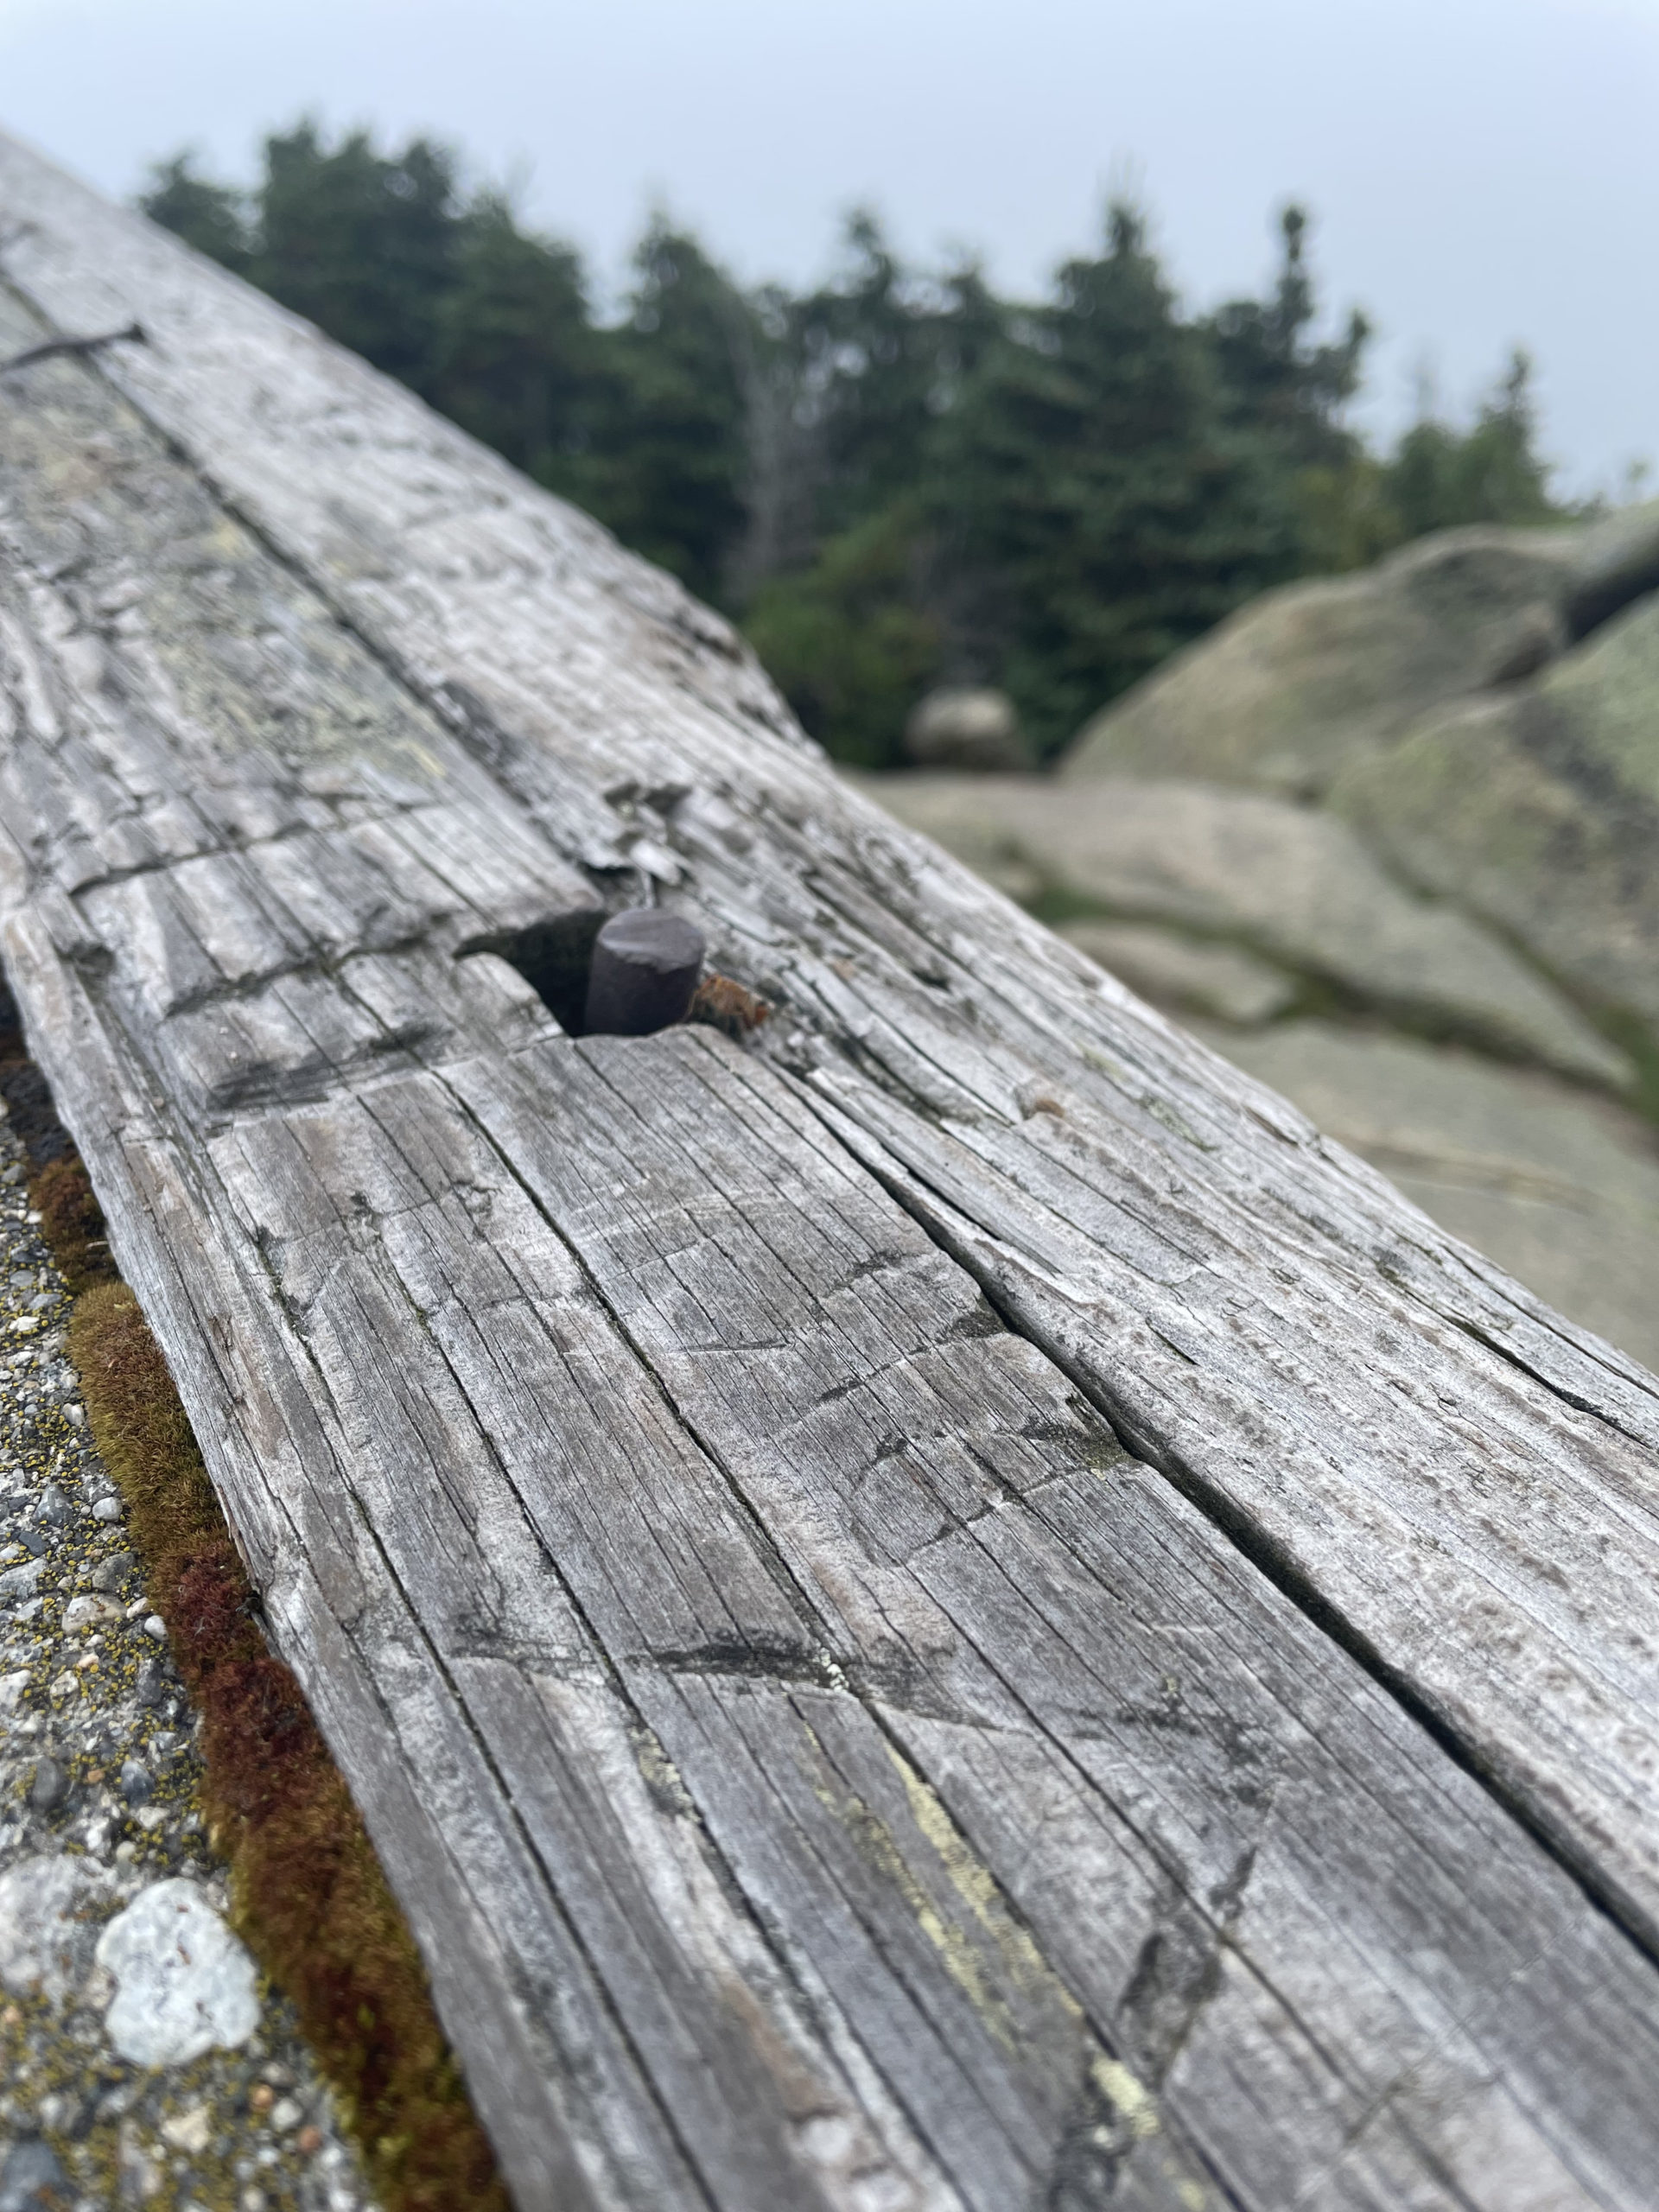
[(820, 1765)]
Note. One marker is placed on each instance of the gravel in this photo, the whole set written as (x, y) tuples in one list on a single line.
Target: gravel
[(135, 2068)]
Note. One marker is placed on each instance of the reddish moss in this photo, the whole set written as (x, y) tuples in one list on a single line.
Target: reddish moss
[(311, 1899), (209, 1613), (257, 1738), (727, 1006)]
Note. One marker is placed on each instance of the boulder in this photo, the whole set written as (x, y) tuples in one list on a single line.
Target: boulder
[(965, 814), (960, 728), (1527, 642), (1284, 881), (1560, 1189), (1183, 975), (1617, 561), (1285, 692), (1538, 808)]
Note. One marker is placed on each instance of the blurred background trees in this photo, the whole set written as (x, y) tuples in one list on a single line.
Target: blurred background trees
[(897, 480)]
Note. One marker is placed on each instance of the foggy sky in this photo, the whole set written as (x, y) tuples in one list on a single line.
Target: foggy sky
[(1482, 172)]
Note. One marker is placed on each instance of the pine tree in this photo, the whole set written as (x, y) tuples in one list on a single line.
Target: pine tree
[(1440, 477), (851, 640), (668, 461), (866, 349), (899, 479), (364, 244), (515, 359), (1275, 383), (1095, 493), (212, 218), (866, 374)]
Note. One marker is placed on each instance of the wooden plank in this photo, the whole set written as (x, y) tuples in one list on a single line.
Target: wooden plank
[(714, 1221), (1291, 1284), (821, 1767)]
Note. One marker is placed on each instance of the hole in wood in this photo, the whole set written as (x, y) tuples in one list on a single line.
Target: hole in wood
[(626, 975), (553, 958)]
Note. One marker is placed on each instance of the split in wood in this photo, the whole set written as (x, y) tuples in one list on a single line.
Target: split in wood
[(134, 334)]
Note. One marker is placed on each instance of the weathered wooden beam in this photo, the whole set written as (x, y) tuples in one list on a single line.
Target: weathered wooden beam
[(821, 1765)]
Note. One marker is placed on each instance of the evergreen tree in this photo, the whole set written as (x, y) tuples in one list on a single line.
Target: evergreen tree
[(1440, 477), (212, 218), (898, 480), (1093, 486), (515, 359), (850, 641), (667, 464), (1286, 391), (867, 351), (1275, 383), (871, 371), (362, 243)]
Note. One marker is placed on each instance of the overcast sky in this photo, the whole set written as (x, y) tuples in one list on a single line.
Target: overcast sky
[(1482, 171)]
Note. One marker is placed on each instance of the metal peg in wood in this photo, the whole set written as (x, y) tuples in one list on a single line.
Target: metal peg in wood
[(645, 968)]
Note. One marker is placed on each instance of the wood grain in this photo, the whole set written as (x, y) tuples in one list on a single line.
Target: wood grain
[(822, 1765)]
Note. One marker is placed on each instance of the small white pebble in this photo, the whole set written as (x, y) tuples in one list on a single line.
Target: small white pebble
[(191, 2131), (107, 1508), (286, 2113), (137, 1606), (156, 1626), (186, 1981), (86, 1610)]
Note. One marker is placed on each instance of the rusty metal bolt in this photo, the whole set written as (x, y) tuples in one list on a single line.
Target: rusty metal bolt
[(644, 968)]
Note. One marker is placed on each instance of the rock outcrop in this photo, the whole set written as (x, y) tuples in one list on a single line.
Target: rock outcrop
[(1388, 838), (1303, 683), (1284, 694), (1537, 807), (1285, 881), (1560, 1189), (1618, 561)]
